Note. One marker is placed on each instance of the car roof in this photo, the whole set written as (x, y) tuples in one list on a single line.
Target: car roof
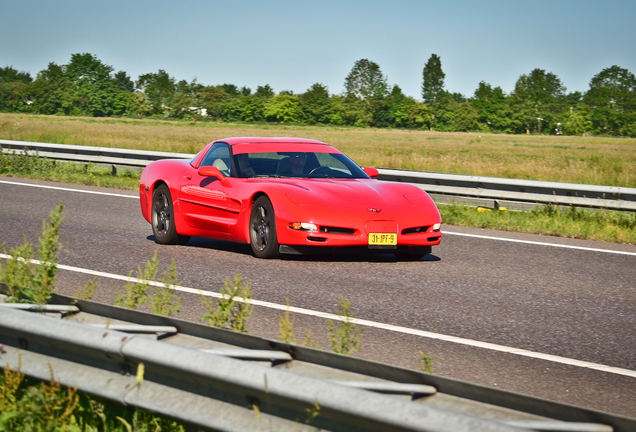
[(268, 140)]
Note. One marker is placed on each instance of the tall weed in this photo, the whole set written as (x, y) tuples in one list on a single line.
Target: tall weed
[(163, 299), (425, 364), (345, 337), (286, 326), (27, 281), (233, 309)]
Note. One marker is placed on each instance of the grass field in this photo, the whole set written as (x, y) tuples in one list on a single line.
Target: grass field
[(591, 160), (585, 160)]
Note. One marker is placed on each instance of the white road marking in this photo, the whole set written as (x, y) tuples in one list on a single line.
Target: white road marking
[(444, 232), (367, 323), (540, 243), (70, 190)]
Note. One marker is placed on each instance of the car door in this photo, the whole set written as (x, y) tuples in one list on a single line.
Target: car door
[(204, 201)]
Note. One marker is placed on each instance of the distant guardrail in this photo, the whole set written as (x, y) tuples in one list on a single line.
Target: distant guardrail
[(492, 192)]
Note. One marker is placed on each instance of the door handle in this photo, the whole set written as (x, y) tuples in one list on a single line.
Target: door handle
[(187, 177)]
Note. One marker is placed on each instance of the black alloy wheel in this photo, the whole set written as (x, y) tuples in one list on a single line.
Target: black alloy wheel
[(163, 226), (263, 229)]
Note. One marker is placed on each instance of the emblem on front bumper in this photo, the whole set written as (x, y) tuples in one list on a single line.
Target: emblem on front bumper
[(375, 210)]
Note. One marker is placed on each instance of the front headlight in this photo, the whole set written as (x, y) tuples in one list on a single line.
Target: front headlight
[(437, 227), (303, 226)]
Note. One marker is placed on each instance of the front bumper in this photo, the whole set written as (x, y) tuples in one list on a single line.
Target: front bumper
[(352, 227)]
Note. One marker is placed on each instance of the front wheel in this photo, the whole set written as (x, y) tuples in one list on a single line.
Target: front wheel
[(163, 226), (263, 229)]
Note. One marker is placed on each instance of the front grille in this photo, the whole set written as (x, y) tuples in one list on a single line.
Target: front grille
[(337, 230), (415, 230)]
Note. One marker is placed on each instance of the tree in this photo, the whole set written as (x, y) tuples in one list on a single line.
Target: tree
[(612, 99), (283, 108), (492, 106), (578, 120), (366, 83), (94, 87), (462, 116), (243, 108), (264, 92), (15, 90), (433, 83), (212, 99), (181, 104), (52, 91), (86, 68), (159, 89), (8, 74), (409, 113), (192, 90), (316, 104), (536, 102), (433, 92), (123, 82), (230, 89)]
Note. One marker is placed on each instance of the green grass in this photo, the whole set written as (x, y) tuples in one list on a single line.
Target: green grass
[(574, 222), (23, 166), (27, 405)]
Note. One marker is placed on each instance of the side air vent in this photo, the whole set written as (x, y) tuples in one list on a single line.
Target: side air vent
[(416, 230), (337, 230)]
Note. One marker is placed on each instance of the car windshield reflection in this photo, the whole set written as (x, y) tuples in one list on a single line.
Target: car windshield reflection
[(297, 165)]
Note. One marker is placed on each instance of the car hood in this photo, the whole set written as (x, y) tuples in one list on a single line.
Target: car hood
[(368, 193)]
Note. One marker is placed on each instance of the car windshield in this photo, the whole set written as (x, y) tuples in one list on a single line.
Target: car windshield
[(298, 165)]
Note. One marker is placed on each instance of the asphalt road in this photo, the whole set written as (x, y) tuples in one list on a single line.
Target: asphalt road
[(578, 304)]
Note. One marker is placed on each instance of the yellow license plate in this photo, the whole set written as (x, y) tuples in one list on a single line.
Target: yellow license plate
[(382, 239)]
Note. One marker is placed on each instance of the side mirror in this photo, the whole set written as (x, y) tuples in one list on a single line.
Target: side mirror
[(211, 171), (371, 172)]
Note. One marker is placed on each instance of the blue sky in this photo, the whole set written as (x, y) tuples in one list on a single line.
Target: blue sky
[(291, 45)]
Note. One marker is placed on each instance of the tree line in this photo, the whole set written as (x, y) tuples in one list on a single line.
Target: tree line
[(538, 104)]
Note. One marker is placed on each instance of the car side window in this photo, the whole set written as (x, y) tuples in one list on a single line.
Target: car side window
[(219, 156)]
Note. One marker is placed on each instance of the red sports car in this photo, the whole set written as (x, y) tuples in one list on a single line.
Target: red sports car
[(285, 195)]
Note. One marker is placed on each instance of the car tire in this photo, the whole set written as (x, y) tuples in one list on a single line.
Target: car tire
[(163, 224), (263, 229)]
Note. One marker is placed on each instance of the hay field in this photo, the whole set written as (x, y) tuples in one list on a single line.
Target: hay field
[(586, 160)]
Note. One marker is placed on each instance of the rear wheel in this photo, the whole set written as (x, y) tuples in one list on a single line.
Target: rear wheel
[(263, 229), (163, 226)]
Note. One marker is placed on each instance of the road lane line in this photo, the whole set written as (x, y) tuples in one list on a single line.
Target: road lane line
[(444, 232), (539, 243), (367, 323), (70, 190)]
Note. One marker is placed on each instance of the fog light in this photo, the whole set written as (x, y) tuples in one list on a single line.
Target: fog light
[(303, 226), (437, 227)]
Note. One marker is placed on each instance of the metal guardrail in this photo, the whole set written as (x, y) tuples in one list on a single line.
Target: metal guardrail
[(97, 155), (221, 380), (490, 192)]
